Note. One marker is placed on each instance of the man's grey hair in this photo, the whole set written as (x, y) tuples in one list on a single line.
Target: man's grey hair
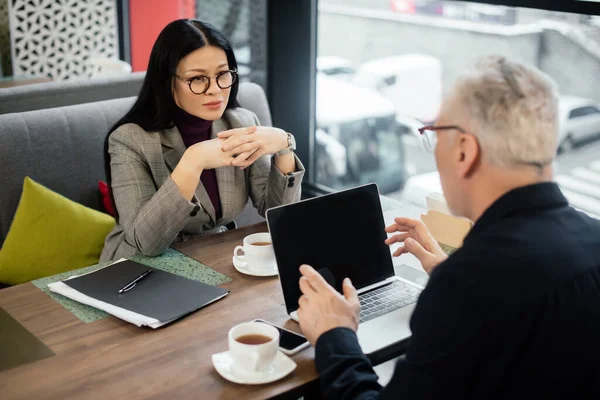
[(513, 108)]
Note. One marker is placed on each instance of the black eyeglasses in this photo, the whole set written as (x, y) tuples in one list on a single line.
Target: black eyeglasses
[(430, 138), (200, 84)]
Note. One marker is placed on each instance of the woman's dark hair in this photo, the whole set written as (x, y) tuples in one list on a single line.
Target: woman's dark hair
[(154, 106)]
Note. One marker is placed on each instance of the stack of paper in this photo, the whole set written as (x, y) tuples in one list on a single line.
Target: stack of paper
[(163, 297), (126, 315)]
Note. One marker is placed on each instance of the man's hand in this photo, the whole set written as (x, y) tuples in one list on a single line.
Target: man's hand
[(322, 308), (418, 241)]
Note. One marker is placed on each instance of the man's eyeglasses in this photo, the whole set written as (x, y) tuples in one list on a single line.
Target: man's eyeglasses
[(429, 137), (200, 84), (430, 140)]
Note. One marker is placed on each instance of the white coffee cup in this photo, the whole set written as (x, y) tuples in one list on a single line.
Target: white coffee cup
[(253, 358), (258, 252)]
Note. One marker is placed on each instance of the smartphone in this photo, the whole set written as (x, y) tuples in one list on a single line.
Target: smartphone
[(290, 342)]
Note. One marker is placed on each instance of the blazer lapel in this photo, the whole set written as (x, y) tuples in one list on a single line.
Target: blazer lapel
[(225, 175), (173, 149)]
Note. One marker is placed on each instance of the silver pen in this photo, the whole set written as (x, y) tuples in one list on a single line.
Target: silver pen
[(131, 284)]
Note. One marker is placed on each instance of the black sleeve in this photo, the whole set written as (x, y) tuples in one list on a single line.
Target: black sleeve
[(440, 358), (346, 373)]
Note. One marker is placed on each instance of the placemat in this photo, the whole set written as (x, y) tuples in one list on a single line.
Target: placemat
[(18, 346), (170, 261)]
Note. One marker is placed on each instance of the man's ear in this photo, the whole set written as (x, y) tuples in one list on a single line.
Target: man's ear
[(468, 155)]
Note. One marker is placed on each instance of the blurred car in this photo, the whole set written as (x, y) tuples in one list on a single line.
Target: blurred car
[(409, 126), (357, 128), (412, 82), (335, 67), (579, 120), (331, 161)]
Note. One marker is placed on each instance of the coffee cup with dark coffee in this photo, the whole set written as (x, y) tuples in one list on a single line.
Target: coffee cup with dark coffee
[(253, 347), (257, 252)]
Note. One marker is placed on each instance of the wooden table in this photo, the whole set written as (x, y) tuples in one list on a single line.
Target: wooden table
[(112, 358)]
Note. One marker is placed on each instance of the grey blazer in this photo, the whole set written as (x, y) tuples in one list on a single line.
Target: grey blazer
[(152, 211)]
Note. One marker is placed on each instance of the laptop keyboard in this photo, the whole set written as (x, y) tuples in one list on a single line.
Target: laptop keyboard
[(385, 299)]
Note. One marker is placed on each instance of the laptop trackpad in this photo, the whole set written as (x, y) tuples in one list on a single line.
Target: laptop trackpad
[(385, 330)]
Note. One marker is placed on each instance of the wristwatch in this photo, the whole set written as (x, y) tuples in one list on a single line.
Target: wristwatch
[(291, 146)]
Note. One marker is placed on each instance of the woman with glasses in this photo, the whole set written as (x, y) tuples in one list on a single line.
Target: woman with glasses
[(185, 158)]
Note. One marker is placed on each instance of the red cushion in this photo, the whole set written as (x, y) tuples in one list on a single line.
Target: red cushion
[(108, 206)]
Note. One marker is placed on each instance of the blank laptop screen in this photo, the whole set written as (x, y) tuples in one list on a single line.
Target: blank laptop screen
[(340, 235)]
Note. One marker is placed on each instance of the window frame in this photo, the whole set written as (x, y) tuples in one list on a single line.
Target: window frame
[(291, 78)]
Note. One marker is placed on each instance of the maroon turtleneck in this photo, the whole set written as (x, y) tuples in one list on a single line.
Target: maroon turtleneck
[(194, 130)]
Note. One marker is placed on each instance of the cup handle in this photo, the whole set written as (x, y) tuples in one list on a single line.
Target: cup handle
[(235, 254)]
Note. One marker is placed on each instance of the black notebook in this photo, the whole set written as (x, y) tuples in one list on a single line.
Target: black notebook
[(161, 296)]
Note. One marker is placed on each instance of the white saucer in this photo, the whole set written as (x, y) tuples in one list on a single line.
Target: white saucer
[(282, 366), (243, 268)]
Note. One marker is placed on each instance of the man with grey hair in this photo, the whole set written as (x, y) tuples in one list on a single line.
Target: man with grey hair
[(515, 312)]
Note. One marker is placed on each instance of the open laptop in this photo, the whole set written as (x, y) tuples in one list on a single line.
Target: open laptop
[(342, 235)]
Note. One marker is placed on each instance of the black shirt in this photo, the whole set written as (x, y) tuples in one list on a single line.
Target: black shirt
[(514, 313)]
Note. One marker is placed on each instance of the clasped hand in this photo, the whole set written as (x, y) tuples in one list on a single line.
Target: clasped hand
[(250, 146), (239, 147)]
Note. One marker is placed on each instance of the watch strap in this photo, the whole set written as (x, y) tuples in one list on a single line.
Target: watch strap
[(283, 152)]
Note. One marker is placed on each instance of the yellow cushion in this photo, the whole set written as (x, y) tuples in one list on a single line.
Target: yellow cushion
[(50, 234)]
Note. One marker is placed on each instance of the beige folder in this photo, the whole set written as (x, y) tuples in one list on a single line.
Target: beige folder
[(447, 229)]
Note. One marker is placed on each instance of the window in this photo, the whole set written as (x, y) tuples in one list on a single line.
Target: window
[(403, 56), (243, 22), (576, 113), (389, 81), (338, 71), (590, 110), (583, 112)]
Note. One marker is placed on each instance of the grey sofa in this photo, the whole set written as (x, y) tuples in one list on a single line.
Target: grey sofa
[(62, 148), (57, 94)]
